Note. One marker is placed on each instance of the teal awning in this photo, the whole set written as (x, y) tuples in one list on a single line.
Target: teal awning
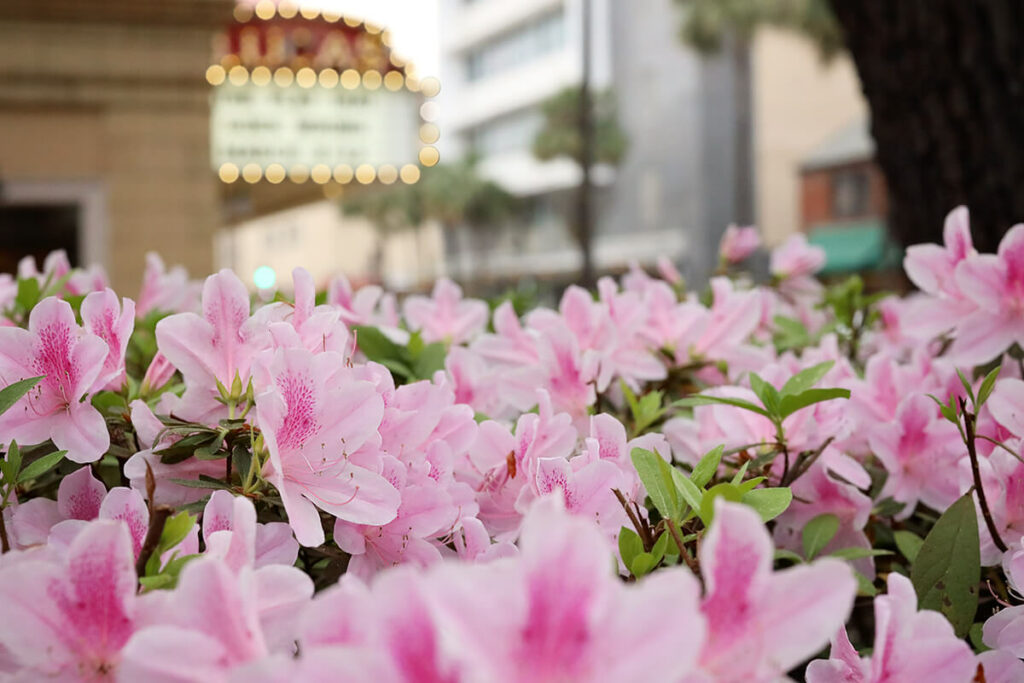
[(851, 247)]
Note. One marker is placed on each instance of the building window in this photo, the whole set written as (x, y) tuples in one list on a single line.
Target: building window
[(851, 193), (508, 133), (524, 43)]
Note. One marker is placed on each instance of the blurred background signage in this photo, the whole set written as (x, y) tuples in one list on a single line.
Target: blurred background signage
[(303, 94)]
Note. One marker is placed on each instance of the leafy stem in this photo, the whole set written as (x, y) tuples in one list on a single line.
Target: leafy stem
[(972, 452)]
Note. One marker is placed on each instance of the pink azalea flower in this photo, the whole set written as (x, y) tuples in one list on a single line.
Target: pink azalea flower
[(745, 601), (113, 322), (167, 291), (738, 244), (994, 284), (214, 347), (72, 360), (561, 614), (1005, 629), (932, 268), (214, 621), (446, 316), (795, 258), (668, 271), (320, 428), (147, 430), (909, 646), (70, 618), (80, 498), (248, 544), (302, 324), (920, 451)]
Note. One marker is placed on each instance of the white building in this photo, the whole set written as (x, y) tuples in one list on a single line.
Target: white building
[(670, 196)]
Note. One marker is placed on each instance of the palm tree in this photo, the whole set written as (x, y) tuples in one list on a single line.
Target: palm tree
[(562, 135), (453, 194)]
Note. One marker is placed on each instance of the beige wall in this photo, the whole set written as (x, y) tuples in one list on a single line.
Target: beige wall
[(799, 101), (318, 237), (123, 107)]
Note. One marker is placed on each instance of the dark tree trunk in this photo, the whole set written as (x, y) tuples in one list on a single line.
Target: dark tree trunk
[(944, 80)]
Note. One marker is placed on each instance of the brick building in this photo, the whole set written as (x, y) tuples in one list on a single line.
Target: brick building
[(104, 132)]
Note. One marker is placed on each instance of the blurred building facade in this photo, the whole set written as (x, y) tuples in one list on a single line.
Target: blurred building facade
[(815, 169), (671, 195), (104, 132)]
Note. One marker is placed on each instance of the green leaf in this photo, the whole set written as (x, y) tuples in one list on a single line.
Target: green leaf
[(783, 554), (691, 493), (175, 530), (656, 475), (854, 553), (11, 464), (429, 360), (704, 400), (207, 483), (805, 379), (947, 568), (10, 394), (41, 466), (660, 546), (975, 634), (707, 504), (987, 385), (377, 347), (791, 404), (966, 384), (707, 467), (630, 545), (642, 564), (741, 472), (28, 293), (817, 533), (241, 460), (865, 588), (748, 485), (769, 503), (908, 543), (769, 395)]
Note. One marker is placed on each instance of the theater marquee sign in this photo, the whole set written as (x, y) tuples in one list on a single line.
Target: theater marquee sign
[(315, 97)]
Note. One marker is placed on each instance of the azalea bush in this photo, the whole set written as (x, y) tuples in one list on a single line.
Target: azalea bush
[(752, 482)]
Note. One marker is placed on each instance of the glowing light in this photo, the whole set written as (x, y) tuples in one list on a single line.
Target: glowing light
[(251, 173), (228, 173), (306, 77), (309, 12), (410, 174), (393, 80), (387, 174), (350, 79), (429, 133), (321, 174), (215, 75), (331, 16), (372, 79), (275, 173), (298, 173), (429, 156), (352, 21), (284, 76), (261, 75), (429, 111), (287, 9), (264, 277), (328, 78), (243, 13), (238, 75), (343, 173), (365, 174), (265, 9), (430, 86)]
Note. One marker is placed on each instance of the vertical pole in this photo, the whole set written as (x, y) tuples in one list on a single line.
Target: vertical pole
[(584, 220)]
